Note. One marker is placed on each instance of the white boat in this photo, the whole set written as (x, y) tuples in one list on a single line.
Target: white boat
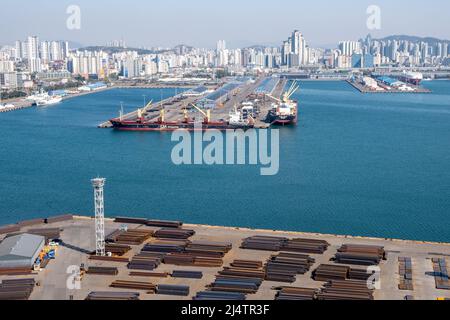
[(37, 96), (48, 101), (414, 78), (237, 119), (6, 106)]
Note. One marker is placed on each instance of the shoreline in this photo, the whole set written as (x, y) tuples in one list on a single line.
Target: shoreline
[(296, 233)]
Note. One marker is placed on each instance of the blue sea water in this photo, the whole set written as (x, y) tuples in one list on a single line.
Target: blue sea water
[(369, 165)]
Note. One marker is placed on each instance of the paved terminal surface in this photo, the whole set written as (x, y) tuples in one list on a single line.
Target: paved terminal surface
[(174, 106), (78, 236)]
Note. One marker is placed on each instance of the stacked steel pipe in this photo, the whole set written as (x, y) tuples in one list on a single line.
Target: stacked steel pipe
[(187, 274), (164, 224), (327, 272), (284, 244), (149, 274), (14, 271), (441, 274), (113, 296), (360, 254), (117, 249), (200, 254), (264, 243), (219, 295), (166, 246), (172, 290), (112, 237), (149, 222), (65, 217), (17, 289), (130, 220), (285, 266), (345, 290), (242, 276), (134, 237), (136, 285), (358, 274), (206, 248), (104, 271), (405, 272), (170, 233), (294, 293), (145, 261), (189, 259), (306, 246)]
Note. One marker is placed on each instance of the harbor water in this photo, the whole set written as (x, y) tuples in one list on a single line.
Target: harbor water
[(356, 164)]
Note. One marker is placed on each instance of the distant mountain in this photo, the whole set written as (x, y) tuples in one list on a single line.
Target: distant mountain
[(185, 46), (414, 39), (74, 45)]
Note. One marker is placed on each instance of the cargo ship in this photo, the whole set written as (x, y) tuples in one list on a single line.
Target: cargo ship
[(284, 112), (414, 78), (236, 121)]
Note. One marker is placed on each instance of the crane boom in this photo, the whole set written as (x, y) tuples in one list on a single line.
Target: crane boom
[(207, 114)]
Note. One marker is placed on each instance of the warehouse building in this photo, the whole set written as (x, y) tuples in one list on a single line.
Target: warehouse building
[(20, 251)]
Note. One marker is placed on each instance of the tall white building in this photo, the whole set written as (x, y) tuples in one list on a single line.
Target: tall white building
[(33, 47), (221, 45), (34, 65), (348, 48), (45, 51)]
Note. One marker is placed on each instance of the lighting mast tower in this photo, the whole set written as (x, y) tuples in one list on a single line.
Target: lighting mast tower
[(98, 185)]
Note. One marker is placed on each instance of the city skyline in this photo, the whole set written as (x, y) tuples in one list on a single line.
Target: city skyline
[(194, 24)]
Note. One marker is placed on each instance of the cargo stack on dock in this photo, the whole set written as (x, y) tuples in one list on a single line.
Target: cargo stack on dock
[(360, 254), (242, 277), (405, 272), (266, 243), (100, 295), (284, 267), (345, 290), (441, 273), (295, 293)]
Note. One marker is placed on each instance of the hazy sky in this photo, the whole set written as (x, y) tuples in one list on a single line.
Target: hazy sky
[(202, 22)]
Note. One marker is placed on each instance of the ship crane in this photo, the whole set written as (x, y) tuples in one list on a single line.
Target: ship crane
[(185, 115), (143, 111), (288, 94), (206, 114)]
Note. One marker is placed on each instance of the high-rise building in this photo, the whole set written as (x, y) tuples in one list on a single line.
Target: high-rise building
[(348, 48), (19, 50), (45, 52), (34, 65), (33, 47), (221, 45)]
